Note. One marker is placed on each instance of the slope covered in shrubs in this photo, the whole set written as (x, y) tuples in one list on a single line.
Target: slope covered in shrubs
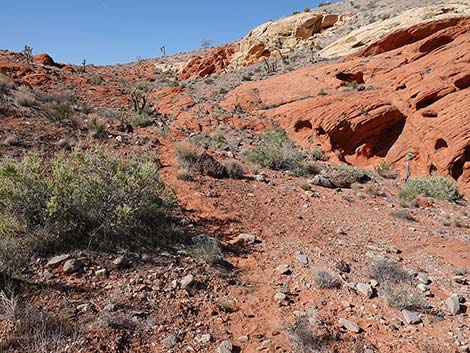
[(89, 198)]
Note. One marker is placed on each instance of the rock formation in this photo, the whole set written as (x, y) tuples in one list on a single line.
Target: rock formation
[(364, 36), (414, 98)]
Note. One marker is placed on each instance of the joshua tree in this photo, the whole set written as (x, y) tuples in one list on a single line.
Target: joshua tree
[(206, 43), (285, 58), (28, 54), (270, 65), (139, 96), (84, 65), (163, 50)]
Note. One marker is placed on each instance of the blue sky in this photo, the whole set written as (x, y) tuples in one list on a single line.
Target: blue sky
[(119, 31)]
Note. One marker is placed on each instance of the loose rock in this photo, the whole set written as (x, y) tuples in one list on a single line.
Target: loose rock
[(411, 317), (453, 303), (186, 281), (365, 289), (57, 260), (225, 347), (283, 269), (302, 259), (72, 266), (349, 325)]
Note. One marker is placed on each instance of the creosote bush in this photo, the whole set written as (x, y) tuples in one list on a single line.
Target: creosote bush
[(438, 187), (91, 198), (276, 151)]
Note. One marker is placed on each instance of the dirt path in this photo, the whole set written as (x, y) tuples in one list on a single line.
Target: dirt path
[(330, 227)]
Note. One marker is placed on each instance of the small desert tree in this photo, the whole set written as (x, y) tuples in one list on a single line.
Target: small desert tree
[(139, 96)]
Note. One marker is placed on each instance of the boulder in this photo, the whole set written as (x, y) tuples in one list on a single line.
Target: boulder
[(215, 61), (43, 59), (208, 165), (453, 304)]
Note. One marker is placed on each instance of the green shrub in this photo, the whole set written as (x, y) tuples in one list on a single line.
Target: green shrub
[(97, 124), (5, 84), (310, 168), (403, 213), (207, 248), (385, 171), (309, 338), (317, 154), (58, 111), (438, 187), (85, 198), (344, 175), (141, 119), (276, 151)]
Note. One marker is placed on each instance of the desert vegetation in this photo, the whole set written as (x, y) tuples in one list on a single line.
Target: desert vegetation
[(438, 187), (276, 151), (90, 198)]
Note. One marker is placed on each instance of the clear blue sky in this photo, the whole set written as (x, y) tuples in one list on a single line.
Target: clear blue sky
[(119, 31)]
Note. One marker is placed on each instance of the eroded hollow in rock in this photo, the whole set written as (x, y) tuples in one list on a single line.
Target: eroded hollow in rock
[(378, 135), (303, 125), (435, 43), (430, 114), (456, 168), (440, 143), (463, 82), (427, 101)]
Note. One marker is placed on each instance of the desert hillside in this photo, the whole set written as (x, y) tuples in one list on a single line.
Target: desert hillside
[(303, 189)]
